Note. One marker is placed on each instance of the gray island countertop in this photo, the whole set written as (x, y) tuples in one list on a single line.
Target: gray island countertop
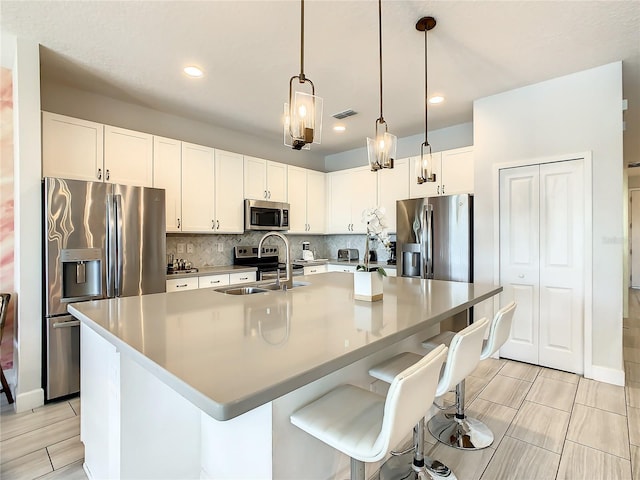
[(228, 354)]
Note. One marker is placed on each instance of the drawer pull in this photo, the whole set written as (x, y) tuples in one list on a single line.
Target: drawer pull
[(182, 285)]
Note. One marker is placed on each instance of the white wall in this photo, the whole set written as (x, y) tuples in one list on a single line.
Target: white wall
[(576, 113), (441, 139), (62, 99), (24, 59)]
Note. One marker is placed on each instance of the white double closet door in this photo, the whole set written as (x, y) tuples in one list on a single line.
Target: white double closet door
[(542, 250)]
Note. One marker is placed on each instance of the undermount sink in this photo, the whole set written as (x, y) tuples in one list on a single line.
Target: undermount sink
[(258, 289), (242, 290), (273, 286)]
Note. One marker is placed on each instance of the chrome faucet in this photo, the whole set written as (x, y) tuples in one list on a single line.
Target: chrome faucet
[(288, 281)]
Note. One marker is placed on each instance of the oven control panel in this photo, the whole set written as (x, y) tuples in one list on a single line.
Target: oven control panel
[(244, 251)]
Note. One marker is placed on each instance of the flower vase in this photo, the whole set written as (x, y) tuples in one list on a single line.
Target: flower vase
[(367, 286)]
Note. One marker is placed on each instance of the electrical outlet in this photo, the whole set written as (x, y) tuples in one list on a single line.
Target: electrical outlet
[(221, 247), (180, 248), (189, 247)]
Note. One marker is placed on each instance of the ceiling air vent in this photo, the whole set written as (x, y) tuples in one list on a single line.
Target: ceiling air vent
[(344, 114)]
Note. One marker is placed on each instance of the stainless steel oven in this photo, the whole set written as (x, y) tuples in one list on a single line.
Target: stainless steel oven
[(261, 215), (268, 265)]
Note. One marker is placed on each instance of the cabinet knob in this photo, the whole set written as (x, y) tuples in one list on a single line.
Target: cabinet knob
[(99, 174), (107, 174), (443, 188), (265, 194), (217, 224), (178, 223), (213, 224), (438, 190), (269, 194)]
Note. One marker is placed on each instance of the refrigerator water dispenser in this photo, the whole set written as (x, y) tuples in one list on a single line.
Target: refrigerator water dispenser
[(81, 273), (411, 260)]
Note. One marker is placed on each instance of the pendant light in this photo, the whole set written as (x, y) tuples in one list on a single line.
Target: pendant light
[(424, 168), (303, 113), (381, 150)]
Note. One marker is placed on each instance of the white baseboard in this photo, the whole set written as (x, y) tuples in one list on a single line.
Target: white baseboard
[(613, 376), (28, 400)]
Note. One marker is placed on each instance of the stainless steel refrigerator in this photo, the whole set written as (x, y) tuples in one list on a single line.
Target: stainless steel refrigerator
[(435, 238), (101, 240)]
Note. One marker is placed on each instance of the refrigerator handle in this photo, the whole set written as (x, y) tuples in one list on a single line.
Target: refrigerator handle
[(119, 253), (427, 242), (111, 245)]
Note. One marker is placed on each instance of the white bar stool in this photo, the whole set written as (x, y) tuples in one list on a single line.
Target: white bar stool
[(463, 356), (458, 430), (363, 424)]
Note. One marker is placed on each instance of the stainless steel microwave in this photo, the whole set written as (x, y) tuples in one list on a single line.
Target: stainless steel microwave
[(261, 215)]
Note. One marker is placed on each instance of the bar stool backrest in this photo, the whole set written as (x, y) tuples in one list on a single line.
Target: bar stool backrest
[(499, 330), (463, 357), (409, 397)]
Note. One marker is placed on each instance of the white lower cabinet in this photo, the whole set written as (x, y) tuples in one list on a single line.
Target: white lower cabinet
[(341, 268), (179, 284), (242, 277), (208, 281), (315, 269)]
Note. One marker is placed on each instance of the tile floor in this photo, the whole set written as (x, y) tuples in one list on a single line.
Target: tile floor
[(547, 425)]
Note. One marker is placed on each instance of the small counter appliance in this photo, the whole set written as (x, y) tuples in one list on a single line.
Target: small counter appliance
[(348, 254)]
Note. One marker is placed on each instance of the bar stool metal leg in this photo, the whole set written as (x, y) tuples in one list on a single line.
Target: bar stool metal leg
[(413, 464), (459, 431), (357, 469)]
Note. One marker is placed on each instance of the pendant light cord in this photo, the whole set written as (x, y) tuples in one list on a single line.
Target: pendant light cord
[(301, 41), (426, 81), (380, 38)]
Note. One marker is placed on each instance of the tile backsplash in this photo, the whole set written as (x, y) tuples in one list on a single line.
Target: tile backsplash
[(206, 248)]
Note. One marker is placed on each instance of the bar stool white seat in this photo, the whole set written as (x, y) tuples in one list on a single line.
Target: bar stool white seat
[(362, 424), (464, 347), (457, 429)]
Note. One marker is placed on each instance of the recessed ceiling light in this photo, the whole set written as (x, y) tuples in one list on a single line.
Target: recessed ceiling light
[(339, 128), (436, 99), (193, 71)]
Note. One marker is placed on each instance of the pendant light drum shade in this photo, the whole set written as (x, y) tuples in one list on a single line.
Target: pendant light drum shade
[(303, 119), (303, 111), (381, 150)]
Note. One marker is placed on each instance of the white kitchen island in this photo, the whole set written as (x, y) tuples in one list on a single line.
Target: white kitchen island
[(200, 384)]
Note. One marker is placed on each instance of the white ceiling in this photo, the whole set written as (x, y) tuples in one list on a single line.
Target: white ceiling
[(135, 51)]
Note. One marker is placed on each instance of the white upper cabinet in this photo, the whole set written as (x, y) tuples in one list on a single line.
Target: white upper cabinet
[(128, 157), (71, 148), (454, 174), (393, 185), (307, 200), (457, 171), (229, 197), (197, 189), (167, 174), (82, 150), (316, 202), (265, 180), (350, 192)]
